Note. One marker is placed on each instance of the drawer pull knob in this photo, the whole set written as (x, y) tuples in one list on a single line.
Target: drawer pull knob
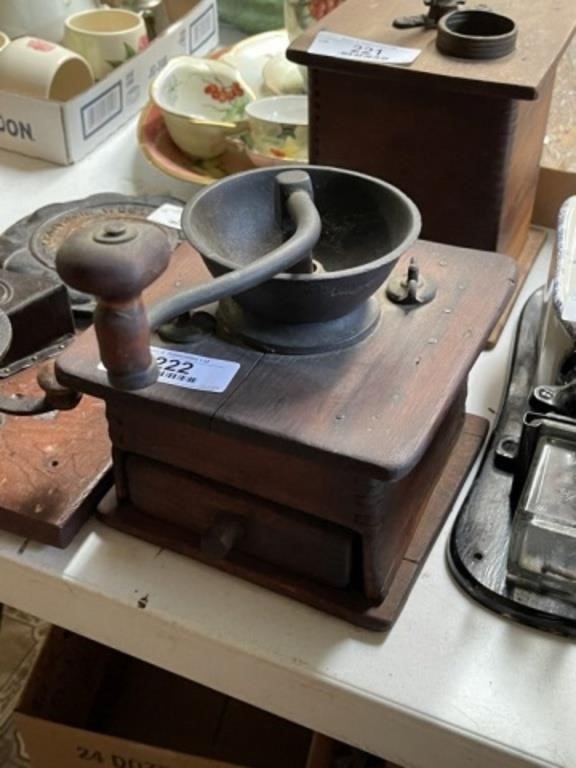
[(219, 540)]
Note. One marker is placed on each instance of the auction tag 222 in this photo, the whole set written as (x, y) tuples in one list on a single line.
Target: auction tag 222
[(182, 369)]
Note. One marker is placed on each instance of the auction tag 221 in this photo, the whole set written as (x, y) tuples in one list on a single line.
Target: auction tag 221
[(356, 49)]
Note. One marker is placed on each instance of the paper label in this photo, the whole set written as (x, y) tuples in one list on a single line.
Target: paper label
[(168, 214), (182, 369), (355, 49)]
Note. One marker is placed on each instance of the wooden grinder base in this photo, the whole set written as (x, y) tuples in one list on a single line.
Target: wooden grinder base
[(346, 604), (324, 477)]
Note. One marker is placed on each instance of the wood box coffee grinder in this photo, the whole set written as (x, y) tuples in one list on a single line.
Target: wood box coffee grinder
[(460, 128), (308, 434)]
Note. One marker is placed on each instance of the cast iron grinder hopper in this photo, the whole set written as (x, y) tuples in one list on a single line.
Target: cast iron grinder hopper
[(322, 458)]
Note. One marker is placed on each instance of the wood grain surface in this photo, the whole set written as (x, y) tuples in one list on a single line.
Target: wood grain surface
[(376, 405), (544, 30), (53, 467), (350, 605)]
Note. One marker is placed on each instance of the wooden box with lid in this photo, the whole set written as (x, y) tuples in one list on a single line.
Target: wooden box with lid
[(462, 137)]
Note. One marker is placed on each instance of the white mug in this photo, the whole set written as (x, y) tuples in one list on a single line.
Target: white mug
[(43, 70), (106, 37), (4, 40), (39, 18)]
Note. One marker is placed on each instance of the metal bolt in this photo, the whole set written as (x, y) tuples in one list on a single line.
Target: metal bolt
[(509, 445), (115, 232), (114, 229), (413, 272), (545, 394)]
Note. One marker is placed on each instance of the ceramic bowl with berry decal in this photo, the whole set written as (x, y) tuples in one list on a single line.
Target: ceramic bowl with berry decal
[(203, 102)]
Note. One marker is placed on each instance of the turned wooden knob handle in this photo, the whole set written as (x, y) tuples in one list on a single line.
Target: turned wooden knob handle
[(115, 261), (219, 540)]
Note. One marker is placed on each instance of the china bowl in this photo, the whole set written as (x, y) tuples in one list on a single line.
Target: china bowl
[(282, 77), (243, 144), (202, 102), (279, 126)]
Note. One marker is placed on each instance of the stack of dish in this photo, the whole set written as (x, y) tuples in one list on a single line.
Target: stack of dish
[(212, 117)]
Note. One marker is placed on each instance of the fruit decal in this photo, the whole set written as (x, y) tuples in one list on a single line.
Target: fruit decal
[(232, 95), (308, 12)]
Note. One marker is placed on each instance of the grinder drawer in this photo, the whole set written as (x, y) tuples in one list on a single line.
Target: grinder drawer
[(225, 522)]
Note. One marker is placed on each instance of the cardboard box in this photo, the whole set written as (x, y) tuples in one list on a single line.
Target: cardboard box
[(64, 132), (555, 186), (86, 704)]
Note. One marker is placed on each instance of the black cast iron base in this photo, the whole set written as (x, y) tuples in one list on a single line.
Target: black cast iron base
[(478, 547)]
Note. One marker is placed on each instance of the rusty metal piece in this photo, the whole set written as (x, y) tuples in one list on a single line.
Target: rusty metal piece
[(59, 397), (38, 308), (436, 10), (412, 290), (30, 245), (55, 397), (116, 261)]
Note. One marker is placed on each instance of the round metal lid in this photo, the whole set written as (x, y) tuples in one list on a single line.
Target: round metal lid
[(476, 34)]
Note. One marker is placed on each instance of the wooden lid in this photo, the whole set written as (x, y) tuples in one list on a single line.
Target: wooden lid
[(544, 30)]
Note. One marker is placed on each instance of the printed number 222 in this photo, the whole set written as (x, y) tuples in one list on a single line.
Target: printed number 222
[(174, 365)]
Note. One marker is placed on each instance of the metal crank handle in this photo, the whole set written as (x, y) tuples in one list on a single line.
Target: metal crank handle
[(295, 198), (117, 260)]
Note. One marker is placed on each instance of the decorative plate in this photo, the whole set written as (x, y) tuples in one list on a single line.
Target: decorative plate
[(250, 56), (161, 152)]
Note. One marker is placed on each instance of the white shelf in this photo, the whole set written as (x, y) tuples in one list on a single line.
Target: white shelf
[(451, 686)]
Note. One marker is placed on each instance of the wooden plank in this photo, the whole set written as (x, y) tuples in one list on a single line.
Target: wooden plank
[(53, 467), (520, 174), (524, 262), (379, 403), (545, 29)]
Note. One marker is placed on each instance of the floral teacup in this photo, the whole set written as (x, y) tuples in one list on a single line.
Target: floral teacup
[(279, 126), (202, 102), (105, 37)]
